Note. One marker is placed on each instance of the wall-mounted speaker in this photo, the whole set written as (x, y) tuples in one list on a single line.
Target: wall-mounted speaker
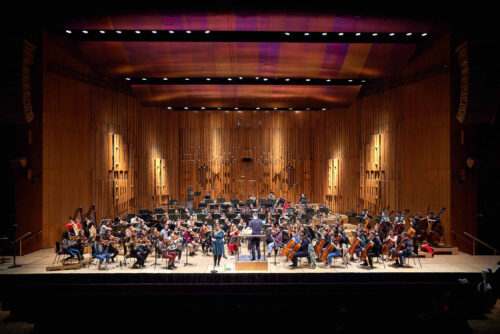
[(15, 95), (479, 83)]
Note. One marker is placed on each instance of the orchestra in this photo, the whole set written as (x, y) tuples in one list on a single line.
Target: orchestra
[(289, 233)]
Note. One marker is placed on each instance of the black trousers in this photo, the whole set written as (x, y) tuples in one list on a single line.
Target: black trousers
[(304, 253), (113, 250), (255, 243), (370, 257)]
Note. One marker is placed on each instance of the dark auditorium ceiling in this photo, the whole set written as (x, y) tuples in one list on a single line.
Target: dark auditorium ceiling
[(369, 60)]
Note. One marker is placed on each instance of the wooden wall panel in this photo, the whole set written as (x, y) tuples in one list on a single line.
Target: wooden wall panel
[(289, 152), (410, 124), (82, 121)]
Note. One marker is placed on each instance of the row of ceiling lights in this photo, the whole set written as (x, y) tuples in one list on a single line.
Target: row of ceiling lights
[(240, 110), (258, 78), (374, 34)]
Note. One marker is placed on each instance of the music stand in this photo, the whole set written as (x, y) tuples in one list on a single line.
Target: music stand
[(14, 248)]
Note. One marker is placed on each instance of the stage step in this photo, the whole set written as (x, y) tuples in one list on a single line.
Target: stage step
[(445, 250), (60, 266), (245, 263)]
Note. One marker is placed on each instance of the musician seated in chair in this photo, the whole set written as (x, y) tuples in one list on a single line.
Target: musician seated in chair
[(374, 252), (69, 247), (111, 248), (189, 240), (336, 252), (277, 238), (98, 251), (406, 252), (303, 250), (69, 225), (137, 252)]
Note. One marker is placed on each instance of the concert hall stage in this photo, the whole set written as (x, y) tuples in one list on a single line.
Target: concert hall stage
[(34, 294)]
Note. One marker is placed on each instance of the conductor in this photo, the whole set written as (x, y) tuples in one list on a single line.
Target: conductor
[(256, 226)]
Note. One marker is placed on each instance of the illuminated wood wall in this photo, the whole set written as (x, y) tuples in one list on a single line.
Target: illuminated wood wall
[(100, 145)]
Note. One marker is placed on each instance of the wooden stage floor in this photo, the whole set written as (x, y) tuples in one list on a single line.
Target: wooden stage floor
[(36, 263)]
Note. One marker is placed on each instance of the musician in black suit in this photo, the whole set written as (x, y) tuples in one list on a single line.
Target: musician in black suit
[(375, 251), (303, 250)]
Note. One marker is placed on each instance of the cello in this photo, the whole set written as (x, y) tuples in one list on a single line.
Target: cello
[(365, 251), (294, 250), (289, 246), (355, 244), (400, 247)]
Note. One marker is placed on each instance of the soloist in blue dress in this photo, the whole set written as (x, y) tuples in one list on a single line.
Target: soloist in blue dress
[(218, 245)]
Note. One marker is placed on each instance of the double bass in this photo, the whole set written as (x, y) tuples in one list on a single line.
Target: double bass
[(437, 229)]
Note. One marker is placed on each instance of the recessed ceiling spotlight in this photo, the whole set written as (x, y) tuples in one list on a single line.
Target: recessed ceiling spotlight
[(287, 79), (202, 108), (170, 31), (392, 34), (257, 78), (169, 108), (424, 34), (68, 31), (187, 79), (287, 33), (308, 79), (358, 34), (324, 34), (208, 79), (235, 108), (241, 78), (408, 34), (219, 108), (257, 108), (308, 109), (363, 80), (85, 31), (137, 31), (328, 80), (350, 80), (323, 108), (374, 34), (290, 108), (154, 31), (229, 79), (128, 79), (144, 79), (207, 31), (306, 34), (118, 31), (188, 31), (165, 79), (275, 108), (265, 79), (341, 34)]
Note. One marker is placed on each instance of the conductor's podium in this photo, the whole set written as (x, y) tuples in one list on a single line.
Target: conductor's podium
[(245, 263)]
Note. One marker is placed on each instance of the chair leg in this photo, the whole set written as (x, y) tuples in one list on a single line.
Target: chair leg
[(420, 263)]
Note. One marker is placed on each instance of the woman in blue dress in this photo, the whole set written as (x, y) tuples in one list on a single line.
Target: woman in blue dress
[(217, 243)]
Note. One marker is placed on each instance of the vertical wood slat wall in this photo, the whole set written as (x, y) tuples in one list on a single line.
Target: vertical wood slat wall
[(410, 124), (82, 123)]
